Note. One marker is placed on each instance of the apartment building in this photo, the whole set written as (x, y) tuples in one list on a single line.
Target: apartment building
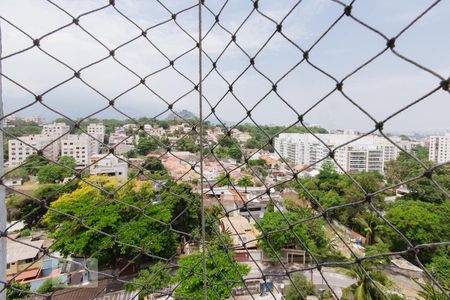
[(108, 164), (97, 130), (439, 148), (19, 149), (368, 153), (80, 147), (56, 129)]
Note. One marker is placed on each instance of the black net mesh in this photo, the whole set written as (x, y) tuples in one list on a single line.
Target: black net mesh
[(127, 65)]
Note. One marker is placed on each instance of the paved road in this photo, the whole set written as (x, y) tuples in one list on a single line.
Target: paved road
[(335, 280)]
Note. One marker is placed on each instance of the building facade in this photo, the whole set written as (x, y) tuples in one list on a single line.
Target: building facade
[(80, 147), (56, 129), (368, 153), (439, 148), (108, 164), (97, 130), (19, 149)]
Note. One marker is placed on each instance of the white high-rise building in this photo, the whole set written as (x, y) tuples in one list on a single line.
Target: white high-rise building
[(97, 130), (439, 148), (19, 149), (368, 153), (80, 147), (56, 129)]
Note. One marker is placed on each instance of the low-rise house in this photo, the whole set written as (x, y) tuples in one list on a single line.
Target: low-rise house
[(242, 233), (179, 165), (158, 131), (12, 182), (108, 164), (102, 290), (22, 253), (249, 202), (123, 139)]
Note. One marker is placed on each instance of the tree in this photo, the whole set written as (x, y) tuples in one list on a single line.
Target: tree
[(227, 141), (222, 270), (56, 173), (328, 172), (440, 268), (303, 285), (235, 152), (245, 181), (155, 278), (372, 225), (223, 180), (153, 164), (146, 145), (364, 289), (258, 162), (18, 290), (67, 161), (421, 223), (425, 190), (34, 163), (187, 144), (50, 285), (136, 220), (429, 292), (32, 211), (310, 233), (19, 173), (184, 205), (52, 174), (252, 143)]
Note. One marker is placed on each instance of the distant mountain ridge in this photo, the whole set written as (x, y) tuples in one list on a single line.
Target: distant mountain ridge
[(183, 114)]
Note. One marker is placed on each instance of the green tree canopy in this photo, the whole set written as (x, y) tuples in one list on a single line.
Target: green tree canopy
[(300, 282), (245, 181), (18, 173), (136, 220), (223, 180), (34, 163), (184, 205), (32, 208), (421, 223), (149, 280), (18, 291), (147, 145), (222, 270), (364, 289), (50, 285), (279, 235)]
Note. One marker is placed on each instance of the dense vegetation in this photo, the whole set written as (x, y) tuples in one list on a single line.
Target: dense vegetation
[(222, 271), (421, 215), (128, 213), (260, 135)]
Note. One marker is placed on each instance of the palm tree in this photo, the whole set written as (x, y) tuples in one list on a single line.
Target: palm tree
[(372, 226), (245, 181), (364, 288), (429, 292)]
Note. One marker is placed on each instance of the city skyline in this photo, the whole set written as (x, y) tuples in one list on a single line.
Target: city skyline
[(382, 88)]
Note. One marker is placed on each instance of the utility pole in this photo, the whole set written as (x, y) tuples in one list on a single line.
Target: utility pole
[(2, 197)]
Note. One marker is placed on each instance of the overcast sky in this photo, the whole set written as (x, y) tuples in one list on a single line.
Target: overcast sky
[(381, 88)]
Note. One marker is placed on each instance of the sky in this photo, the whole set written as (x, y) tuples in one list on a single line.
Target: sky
[(381, 88)]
